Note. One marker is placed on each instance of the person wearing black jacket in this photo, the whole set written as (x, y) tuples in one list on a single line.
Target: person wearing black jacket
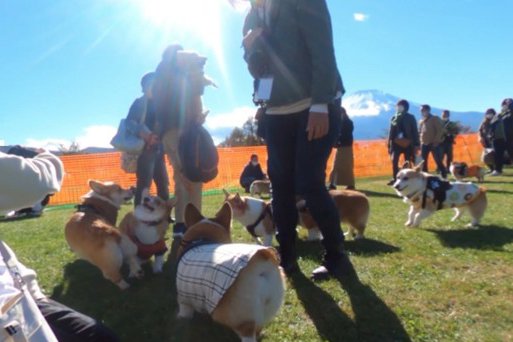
[(343, 168), (252, 172), (403, 137)]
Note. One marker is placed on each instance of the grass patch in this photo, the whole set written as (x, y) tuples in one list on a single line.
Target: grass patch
[(441, 282)]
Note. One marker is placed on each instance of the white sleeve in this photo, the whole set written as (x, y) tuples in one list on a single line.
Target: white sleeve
[(26, 181)]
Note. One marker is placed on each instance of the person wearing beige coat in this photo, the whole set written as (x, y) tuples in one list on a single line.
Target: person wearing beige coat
[(431, 131)]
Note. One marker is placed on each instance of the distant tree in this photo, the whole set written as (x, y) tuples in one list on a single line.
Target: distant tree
[(245, 136), (73, 148)]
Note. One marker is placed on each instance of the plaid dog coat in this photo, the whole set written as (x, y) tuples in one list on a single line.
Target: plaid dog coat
[(206, 272)]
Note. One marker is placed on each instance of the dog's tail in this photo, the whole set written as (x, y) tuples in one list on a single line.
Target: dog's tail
[(481, 192)]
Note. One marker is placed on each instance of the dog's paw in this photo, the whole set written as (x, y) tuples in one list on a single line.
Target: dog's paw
[(137, 274), (123, 285), (185, 311), (359, 237), (473, 225), (408, 224), (157, 269)]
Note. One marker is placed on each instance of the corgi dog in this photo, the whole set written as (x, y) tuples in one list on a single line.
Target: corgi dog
[(255, 215), (462, 170), (260, 187), (426, 194), (353, 208), (92, 235), (240, 285), (147, 225)]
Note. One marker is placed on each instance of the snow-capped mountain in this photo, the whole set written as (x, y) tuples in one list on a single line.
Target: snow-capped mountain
[(371, 111)]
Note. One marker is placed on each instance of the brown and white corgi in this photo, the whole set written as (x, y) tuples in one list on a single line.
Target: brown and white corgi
[(255, 215), (147, 225), (353, 208), (240, 285), (462, 170), (260, 188), (92, 234), (426, 194)]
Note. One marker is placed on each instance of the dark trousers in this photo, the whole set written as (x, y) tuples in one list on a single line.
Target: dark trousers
[(298, 167), (447, 153), (396, 153), (436, 151), (246, 182), (151, 166), (69, 325), (499, 147)]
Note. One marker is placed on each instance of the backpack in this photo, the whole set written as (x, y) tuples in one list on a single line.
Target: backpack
[(198, 154)]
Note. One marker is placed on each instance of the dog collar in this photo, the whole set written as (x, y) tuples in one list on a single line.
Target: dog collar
[(87, 208), (188, 245)]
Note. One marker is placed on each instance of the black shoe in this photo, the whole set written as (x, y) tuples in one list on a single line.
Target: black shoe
[(391, 182), (350, 187), (332, 187), (178, 230), (343, 268)]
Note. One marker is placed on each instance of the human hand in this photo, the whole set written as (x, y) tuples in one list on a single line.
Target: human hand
[(250, 38), (318, 125)]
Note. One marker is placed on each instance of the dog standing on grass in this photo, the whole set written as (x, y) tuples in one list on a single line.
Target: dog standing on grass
[(427, 194), (241, 286)]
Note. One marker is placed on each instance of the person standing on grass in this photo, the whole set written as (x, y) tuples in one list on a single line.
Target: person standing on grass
[(290, 54), (343, 168), (450, 132), (252, 172), (492, 135), (506, 116), (431, 130), (142, 121), (24, 181), (403, 137)]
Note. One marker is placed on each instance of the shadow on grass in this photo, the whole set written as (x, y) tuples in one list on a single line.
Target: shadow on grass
[(500, 192), (144, 312), (484, 238), (367, 247), (374, 321)]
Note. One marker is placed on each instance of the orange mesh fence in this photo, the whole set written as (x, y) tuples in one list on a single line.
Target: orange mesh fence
[(371, 160)]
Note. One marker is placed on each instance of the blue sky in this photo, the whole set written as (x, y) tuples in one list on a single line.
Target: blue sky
[(71, 68)]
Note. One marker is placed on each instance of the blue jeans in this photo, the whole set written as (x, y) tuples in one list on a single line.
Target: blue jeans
[(298, 167), (151, 166), (436, 151)]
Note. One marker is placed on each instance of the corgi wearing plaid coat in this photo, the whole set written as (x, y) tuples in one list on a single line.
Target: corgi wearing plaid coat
[(239, 285)]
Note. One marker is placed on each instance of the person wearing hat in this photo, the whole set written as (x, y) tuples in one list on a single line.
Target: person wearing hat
[(451, 130), (506, 116), (403, 137), (492, 136), (142, 121), (431, 130), (290, 54)]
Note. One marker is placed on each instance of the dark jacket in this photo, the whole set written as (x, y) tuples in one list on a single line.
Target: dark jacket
[(345, 138), (507, 119), (299, 51), (451, 130), (405, 125), (490, 131), (251, 171)]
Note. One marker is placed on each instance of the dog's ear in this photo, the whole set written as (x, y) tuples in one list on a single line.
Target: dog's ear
[(226, 194), (418, 167), (224, 216), (192, 215), (96, 186), (406, 165)]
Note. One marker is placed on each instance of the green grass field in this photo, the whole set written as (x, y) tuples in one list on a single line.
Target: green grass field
[(442, 282)]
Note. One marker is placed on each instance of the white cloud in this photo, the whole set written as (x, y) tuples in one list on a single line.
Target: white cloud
[(360, 16), (92, 136), (235, 118)]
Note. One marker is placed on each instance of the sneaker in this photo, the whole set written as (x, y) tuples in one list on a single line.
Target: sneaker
[(343, 269), (332, 187), (391, 182), (495, 174), (178, 230)]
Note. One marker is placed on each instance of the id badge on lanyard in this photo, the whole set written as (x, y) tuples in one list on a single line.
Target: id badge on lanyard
[(264, 89)]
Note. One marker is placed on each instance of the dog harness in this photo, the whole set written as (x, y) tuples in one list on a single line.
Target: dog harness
[(207, 270), (251, 228), (144, 251), (449, 195)]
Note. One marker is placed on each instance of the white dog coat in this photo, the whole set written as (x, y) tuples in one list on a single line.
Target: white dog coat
[(451, 194), (206, 272)]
